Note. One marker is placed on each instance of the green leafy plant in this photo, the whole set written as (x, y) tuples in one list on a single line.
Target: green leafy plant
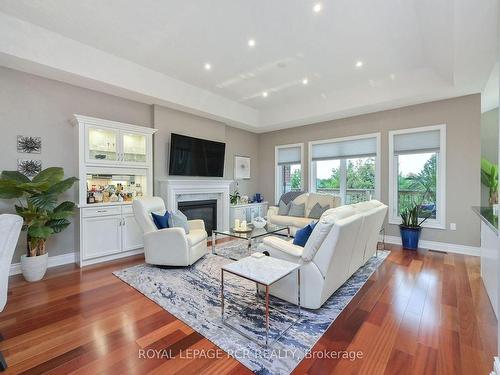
[(38, 204), (411, 216), (489, 178), (234, 198)]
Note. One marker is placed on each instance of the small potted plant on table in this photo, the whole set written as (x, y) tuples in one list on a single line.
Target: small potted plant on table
[(43, 216), (410, 227)]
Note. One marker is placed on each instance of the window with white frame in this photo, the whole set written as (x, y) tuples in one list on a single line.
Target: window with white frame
[(347, 167), (289, 171), (417, 173)]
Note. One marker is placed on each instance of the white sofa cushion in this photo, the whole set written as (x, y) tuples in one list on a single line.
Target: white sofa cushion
[(297, 222), (337, 213)]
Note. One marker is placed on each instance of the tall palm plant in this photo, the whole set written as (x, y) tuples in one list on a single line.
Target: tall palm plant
[(38, 204)]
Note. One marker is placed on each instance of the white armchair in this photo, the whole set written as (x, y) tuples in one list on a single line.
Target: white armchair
[(169, 246), (10, 226)]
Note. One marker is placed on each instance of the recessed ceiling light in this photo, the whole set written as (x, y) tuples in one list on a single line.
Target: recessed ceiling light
[(305, 81), (317, 7), (265, 94), (208, 66), (392, 76), (359, 64), (251, 42)]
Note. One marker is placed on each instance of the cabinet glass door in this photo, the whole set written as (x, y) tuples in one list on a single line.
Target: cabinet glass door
[(102, 144), (134, 147)]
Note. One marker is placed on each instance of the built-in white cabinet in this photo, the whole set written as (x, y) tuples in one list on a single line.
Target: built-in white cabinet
[(105, 145), (132, 232), (108, 231), (247, 211), (115, 166)]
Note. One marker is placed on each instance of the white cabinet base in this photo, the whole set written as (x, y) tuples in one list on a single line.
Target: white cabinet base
[(108, 233), (107, 258)]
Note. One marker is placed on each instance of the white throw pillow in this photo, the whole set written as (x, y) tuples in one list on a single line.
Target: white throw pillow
[(316, 239)]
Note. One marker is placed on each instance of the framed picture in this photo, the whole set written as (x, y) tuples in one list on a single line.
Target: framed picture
[(29, 167), (241, 168), (29, 145)]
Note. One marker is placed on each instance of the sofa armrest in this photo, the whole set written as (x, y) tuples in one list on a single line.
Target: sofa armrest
[(168, 236), (196, 224), (281, 249), (272, 211)]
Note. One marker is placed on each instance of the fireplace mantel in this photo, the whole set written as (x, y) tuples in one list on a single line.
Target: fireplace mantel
[(175, 190)]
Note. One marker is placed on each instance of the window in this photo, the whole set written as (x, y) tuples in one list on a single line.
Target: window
[(417, 174), (347, 167), (289, 172)]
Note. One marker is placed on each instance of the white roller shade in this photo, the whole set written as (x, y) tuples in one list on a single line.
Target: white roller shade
[(428, 141), (289, 155), (345, 149)]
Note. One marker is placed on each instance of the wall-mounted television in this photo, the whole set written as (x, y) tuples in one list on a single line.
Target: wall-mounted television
[(196, 157)]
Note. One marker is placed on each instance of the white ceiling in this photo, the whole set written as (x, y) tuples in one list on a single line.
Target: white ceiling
[(412, 52)]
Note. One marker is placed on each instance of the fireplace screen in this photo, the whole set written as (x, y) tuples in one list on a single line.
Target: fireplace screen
[(205, 210)]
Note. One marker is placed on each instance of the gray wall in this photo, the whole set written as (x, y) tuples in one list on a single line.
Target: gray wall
[(31, 105), (462, 116), (489, 145), (238, 142)]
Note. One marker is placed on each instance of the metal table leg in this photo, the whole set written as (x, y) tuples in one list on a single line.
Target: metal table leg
[(267, 314), (298, 290), (214, 237), (222, 293)]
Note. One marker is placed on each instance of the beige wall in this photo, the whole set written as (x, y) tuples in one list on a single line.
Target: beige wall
[(238, 142), (462, 116), (489, 145), (30, 105)]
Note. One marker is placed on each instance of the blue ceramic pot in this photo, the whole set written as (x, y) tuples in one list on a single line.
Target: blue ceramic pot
[(410, 237)]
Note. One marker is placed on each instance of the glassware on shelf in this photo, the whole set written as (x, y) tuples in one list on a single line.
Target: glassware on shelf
[(103, 188)]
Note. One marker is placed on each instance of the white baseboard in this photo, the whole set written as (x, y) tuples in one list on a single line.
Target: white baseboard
[(440, 246), (54, 261)]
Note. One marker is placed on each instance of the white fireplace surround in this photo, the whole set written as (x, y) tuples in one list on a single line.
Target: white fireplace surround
[(174, 191)]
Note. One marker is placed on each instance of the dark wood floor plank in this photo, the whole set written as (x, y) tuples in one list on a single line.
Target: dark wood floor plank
[(421, 312)]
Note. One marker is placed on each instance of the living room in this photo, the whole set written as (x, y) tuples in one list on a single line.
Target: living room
[(314, 191)]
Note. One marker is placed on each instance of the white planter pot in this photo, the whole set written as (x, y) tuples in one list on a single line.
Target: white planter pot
[(34, 268)]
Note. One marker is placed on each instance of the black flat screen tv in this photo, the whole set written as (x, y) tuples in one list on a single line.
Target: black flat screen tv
[(196, 157)]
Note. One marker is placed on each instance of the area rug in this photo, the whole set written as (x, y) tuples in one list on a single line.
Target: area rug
[(192, 294)]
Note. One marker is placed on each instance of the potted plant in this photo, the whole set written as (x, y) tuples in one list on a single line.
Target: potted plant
[(489, 178), (410, 227), (43, 216)]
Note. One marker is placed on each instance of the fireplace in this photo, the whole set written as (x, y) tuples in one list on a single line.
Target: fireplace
[(205, 210)]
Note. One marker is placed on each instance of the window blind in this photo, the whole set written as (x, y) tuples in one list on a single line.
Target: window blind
[(427, 141), (289, 155), (365, 147)]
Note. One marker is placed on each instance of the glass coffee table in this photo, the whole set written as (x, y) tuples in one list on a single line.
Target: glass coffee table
[(250, 236)]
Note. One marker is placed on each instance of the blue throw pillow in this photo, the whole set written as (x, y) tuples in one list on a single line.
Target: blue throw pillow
[(161, 221), (302, 235)]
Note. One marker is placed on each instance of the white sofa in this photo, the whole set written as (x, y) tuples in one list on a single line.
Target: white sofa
[(310, 199), (349, 241), (169, 246)]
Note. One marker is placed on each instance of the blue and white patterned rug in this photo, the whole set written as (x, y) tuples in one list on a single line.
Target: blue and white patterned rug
[(192, 294)]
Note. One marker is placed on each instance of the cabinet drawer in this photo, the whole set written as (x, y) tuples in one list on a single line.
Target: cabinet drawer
[(101, 211), (126, 210)]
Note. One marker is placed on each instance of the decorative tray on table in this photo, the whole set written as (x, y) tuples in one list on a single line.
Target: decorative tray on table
[(239, 230)]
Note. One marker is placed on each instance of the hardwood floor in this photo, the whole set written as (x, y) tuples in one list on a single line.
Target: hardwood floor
[(421, 313)]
